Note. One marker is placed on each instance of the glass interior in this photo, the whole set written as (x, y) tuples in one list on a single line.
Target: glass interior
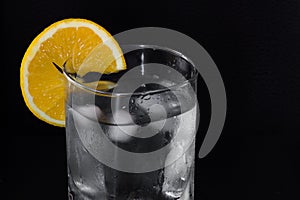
[(148, 62)]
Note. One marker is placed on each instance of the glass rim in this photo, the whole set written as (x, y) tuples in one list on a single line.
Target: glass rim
[(75, 82)]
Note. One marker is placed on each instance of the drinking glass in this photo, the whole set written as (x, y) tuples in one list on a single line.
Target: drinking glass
[(134, 138)]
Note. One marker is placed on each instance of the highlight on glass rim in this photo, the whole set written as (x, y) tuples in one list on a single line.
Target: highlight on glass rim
[(130, 115)]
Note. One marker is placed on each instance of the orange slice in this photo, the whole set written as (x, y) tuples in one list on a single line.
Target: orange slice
[(89, 45)]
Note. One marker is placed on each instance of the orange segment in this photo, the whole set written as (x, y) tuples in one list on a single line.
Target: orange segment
[(89, 45)]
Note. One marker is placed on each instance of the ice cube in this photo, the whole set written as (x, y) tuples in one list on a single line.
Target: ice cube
[(150, 107), (123, 128), (89, 130), (121, 133), (186, 130), (92, 112), (121, 117), (157, 112), (179, 168), (187, 192), (179, 160), (158, 117), (159, 123), (86, 119), (184, 135), (85, 171), (177, 175)]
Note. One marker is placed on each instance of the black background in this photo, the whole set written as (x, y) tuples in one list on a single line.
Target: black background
[(256, 47)]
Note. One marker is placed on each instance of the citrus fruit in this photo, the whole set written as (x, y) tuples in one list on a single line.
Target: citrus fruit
[(90, 47)]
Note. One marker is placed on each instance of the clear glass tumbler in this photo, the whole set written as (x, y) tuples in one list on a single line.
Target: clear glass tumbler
[(135, 140)]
